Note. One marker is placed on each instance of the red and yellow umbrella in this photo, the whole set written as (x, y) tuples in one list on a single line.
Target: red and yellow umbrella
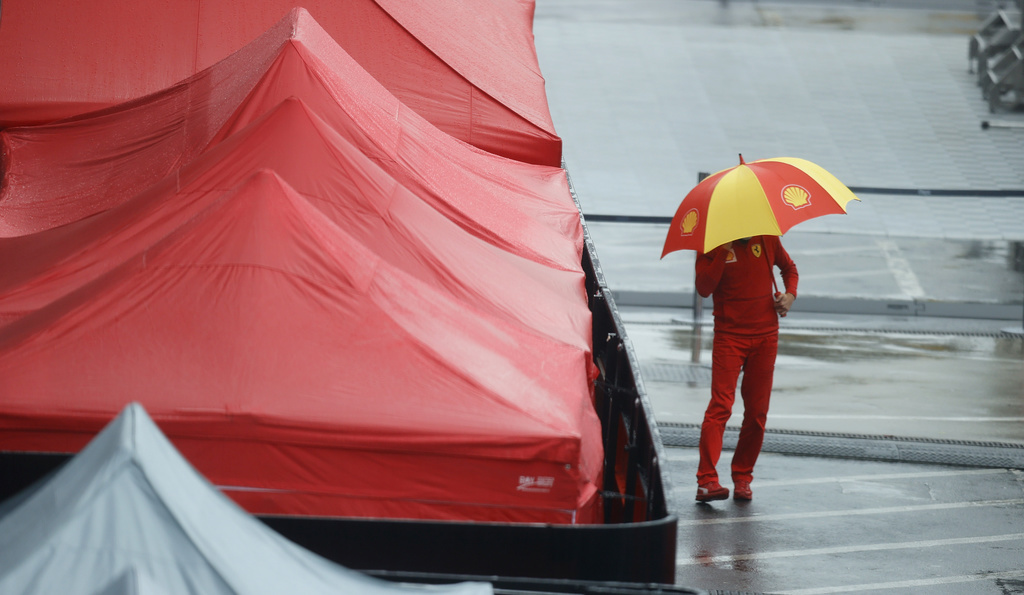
[(763, 197)]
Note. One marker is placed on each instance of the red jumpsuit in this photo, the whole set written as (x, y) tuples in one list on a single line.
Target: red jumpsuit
[(746, 338)]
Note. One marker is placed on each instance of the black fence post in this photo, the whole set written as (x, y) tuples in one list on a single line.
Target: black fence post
[(1017, 264)]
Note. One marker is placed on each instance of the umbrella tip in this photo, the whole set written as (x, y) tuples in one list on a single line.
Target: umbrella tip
[(742, 162)]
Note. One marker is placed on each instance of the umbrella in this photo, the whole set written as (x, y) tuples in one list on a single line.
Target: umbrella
[(763, 197)]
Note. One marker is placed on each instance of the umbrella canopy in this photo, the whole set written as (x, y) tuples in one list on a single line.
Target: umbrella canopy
[(763, 197)]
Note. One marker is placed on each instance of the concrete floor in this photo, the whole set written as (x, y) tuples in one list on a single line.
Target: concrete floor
[(852, 526), (896, 347)]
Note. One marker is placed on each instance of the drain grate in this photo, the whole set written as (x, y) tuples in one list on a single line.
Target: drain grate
[(894, 331), (854, 330), (854, 446), (692, 374)]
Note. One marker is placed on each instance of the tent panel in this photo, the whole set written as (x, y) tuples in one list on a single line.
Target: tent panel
[(261, 296), (69, 58), (62, 58), (129, 515)]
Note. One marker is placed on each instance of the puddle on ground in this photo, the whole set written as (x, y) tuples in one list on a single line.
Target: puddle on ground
[(860, 346)]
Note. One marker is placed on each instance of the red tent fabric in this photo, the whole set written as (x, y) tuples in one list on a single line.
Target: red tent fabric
[(48, 184), (468, 66), (304, 374), (328, 305), (349, 187)]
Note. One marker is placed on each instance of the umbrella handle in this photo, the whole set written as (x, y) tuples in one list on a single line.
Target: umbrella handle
[(771, 272), (771, 266)]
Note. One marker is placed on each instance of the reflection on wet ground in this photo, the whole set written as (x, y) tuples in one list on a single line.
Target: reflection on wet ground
[(937, 385), (850, 345)]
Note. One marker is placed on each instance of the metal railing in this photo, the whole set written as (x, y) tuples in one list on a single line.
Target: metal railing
[(635, 483)]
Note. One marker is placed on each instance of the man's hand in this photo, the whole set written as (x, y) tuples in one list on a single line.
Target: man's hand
[(783, 302)]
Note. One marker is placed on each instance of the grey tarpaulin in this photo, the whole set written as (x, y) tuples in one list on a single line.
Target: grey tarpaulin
[(130, 515)]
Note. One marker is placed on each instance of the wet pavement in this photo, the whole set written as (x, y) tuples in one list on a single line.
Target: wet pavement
[(895, 434), (854, 526), (851, 374)]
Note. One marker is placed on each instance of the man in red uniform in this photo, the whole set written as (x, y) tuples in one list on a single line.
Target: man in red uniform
[(740, 276)]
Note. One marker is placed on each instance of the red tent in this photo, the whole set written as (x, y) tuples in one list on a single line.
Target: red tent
[(331, 307), (304, 374), (132, 146), (350, 188), (468, 66)]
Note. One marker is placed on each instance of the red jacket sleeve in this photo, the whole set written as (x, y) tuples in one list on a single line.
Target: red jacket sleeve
[(790, 276), (710, 267)]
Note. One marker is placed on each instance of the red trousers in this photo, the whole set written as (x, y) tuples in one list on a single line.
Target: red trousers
[(755, 357)]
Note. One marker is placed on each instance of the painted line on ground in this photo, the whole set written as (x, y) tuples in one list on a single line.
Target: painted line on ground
[(848, 549), (879, 477), (907, 281), (925, 582), (822, 514), (978, 419), (769, 483)]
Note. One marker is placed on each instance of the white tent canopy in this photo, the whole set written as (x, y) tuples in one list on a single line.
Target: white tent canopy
[(130, 515)]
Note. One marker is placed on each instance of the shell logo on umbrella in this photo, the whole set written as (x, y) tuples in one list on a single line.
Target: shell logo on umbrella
[(796, 197), (763, 197), (689, 223)]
